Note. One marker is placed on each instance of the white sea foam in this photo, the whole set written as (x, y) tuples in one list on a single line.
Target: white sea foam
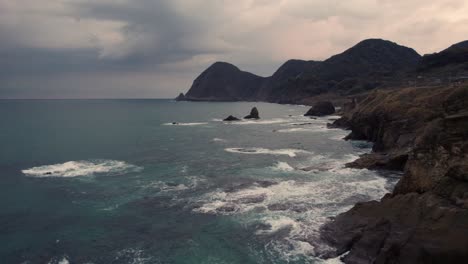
[(261, 121), (276, 224), (80, 168), (133, 256), (287, 152), (282, 166), (293, 211), (59, 260), (219, 140), (302, 129), (185, 124)]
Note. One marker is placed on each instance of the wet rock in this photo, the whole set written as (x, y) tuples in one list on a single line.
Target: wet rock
[(459, 172), (298, 208), (231, 118), (253, 114), (321, 109), (376, 161), (410, 228), (227, 208), (265, 184), (252, 199)]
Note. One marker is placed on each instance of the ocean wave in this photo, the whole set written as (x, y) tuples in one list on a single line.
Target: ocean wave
[(81, 168), (219, 140), (290, 213), (288, 152), (185, 124)]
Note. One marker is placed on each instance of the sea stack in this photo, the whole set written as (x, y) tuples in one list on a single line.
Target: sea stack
[(253, 114), (231, 118), (321, 109)]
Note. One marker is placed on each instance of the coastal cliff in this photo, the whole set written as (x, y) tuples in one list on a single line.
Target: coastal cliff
[(425, 219)]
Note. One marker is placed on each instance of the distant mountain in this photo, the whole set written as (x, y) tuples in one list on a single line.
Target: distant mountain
[(360, 68), (369, 64), (289, 71), (454, 56), (224, 82)]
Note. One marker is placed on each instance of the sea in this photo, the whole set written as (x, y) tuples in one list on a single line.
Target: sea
[(159, 181)]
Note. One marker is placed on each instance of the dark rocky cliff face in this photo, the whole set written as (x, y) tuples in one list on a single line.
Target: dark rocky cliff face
[(425, 219), (224, 82)]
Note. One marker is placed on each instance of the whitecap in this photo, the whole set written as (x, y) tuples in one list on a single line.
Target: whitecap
[(57, 260), (81, 168), (219, 140), (277, 223), (288, 152), (282, 166)]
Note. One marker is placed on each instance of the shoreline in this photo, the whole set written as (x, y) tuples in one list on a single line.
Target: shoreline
[(425, 218)]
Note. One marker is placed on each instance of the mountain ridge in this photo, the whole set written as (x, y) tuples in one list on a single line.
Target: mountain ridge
[(370, 64)]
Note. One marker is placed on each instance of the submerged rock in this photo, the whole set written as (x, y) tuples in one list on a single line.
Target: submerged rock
[(253, 114), (321, 109), (231, 118)]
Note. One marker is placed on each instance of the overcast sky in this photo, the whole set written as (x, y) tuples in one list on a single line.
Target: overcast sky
[(155, 48)]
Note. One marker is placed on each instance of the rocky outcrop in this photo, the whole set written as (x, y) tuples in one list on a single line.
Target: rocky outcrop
[(425, 218), (231, 118), (407, 228), (253, 114), (321, 109)]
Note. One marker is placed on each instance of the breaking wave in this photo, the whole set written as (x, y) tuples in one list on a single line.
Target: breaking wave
[(288, 152), (81, 168)]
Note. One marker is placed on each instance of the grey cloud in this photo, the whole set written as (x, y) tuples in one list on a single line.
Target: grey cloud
[(147, 45)]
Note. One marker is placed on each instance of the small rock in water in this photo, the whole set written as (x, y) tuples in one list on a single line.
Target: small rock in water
[(231, 118), (175, 123), (321, 109), (252, 199), (253, 114)]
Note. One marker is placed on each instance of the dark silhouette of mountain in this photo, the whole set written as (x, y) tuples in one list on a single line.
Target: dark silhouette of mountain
[(289, 71), (360, 68), (455, 56), (370, 64), (224, 82)]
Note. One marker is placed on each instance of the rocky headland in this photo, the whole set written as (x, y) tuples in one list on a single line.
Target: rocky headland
[(423, 131)]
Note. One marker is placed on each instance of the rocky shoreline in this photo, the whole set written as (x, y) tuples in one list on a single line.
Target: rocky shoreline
[(424, 132)]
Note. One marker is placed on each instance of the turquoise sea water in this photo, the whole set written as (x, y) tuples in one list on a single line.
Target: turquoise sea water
[(114, 181)]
